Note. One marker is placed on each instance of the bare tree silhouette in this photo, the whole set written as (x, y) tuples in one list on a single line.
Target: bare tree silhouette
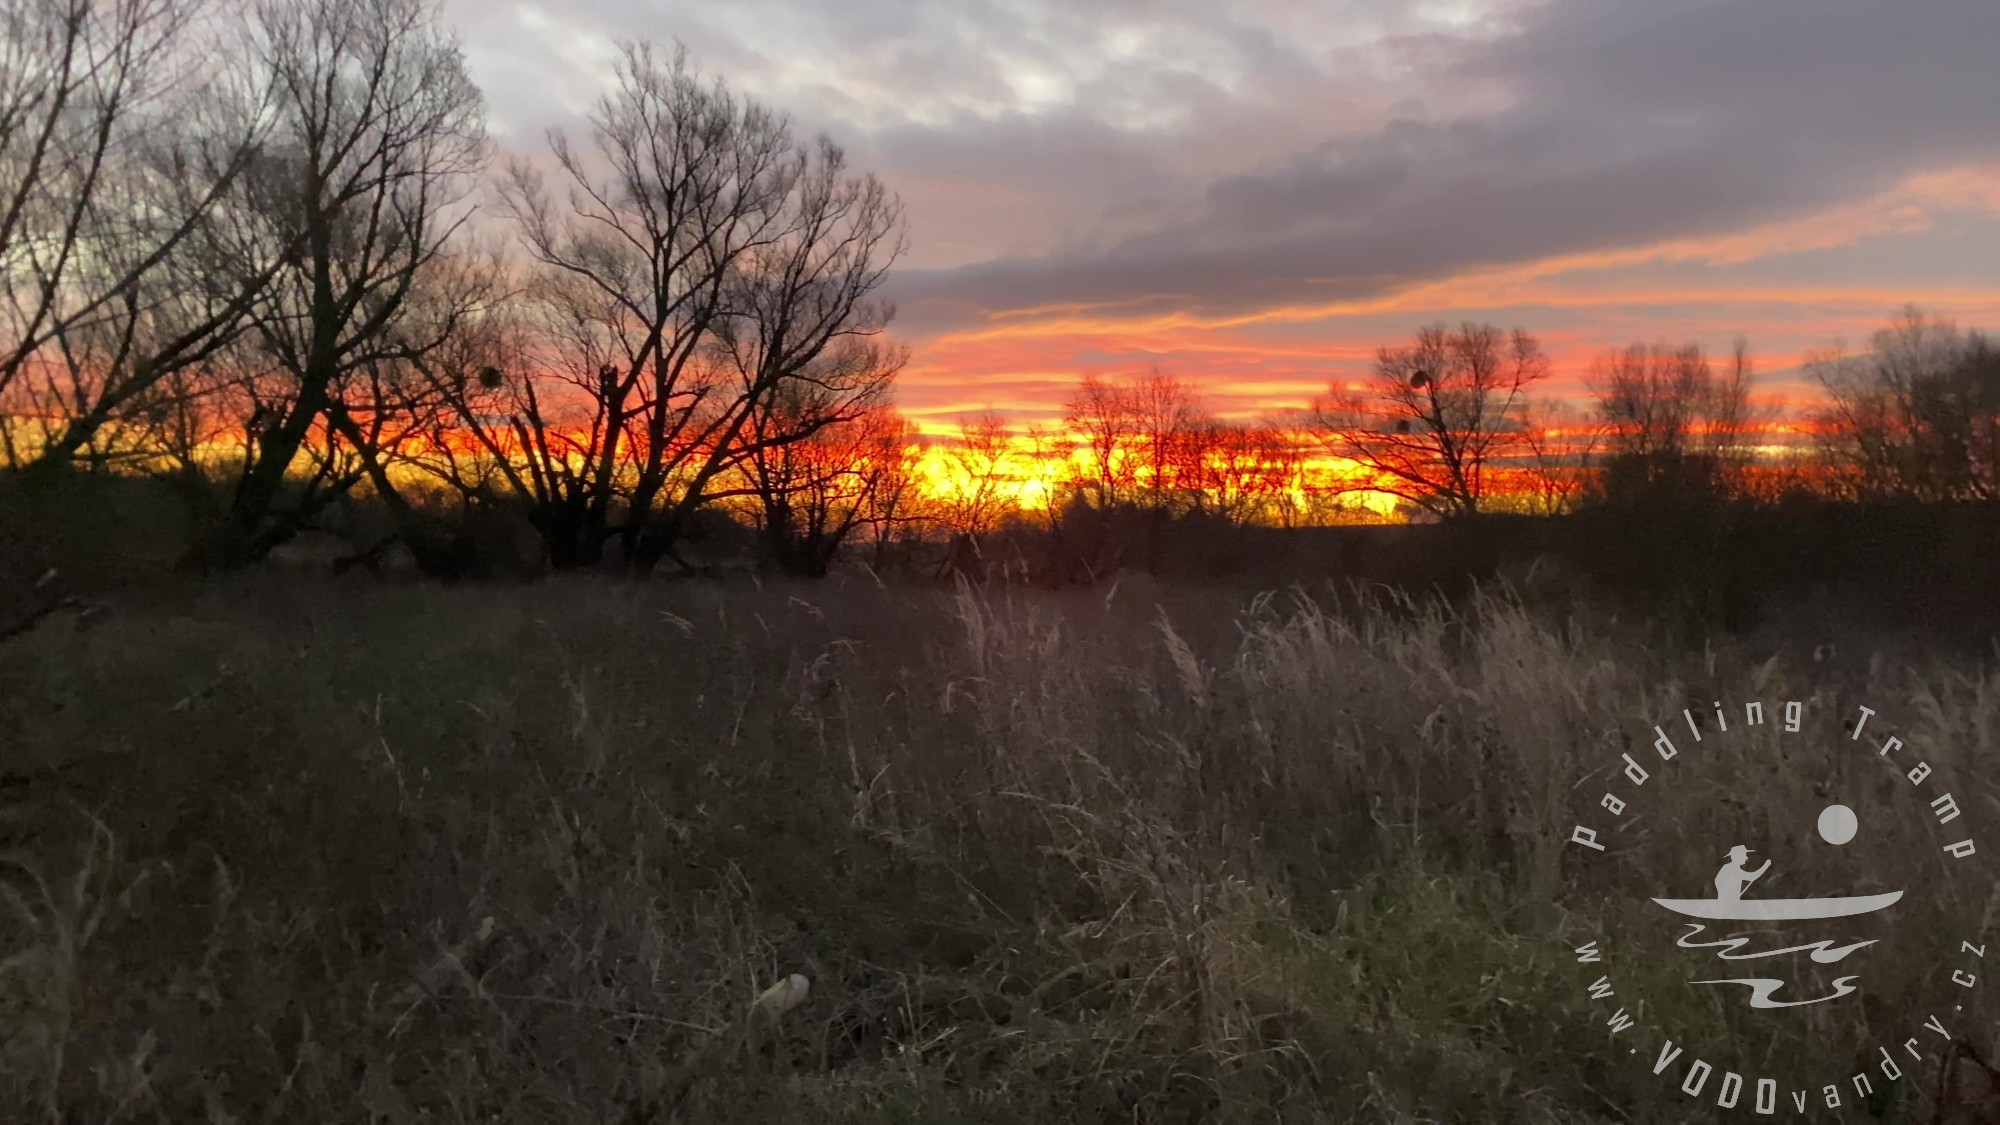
[(1439, 415), (357, 191), (117, 145), (1672, 421), (1915, 417)]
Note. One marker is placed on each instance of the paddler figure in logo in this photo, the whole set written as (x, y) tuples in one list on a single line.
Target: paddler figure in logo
[(1836, 827), (1735, 875)]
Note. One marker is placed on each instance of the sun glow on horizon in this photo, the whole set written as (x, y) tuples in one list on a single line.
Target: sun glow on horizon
[(1035, 473)]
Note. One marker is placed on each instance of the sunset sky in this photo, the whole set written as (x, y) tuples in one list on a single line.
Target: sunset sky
[(1253, 195)]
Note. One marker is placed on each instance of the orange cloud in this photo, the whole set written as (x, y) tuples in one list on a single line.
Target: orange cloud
[(1025, 361)]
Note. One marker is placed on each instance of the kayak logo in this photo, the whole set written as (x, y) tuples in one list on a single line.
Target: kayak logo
[(1729, 904), (1810, 837)]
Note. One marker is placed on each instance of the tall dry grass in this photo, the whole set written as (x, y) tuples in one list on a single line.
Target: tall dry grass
[(358, 853)]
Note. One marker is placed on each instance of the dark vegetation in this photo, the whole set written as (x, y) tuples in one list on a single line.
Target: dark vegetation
[(312, 849)]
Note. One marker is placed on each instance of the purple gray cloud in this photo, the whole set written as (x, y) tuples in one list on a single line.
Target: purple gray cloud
[(1132, 157)]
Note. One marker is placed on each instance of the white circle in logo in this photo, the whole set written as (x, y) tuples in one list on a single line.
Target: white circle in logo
[(1837, 824)]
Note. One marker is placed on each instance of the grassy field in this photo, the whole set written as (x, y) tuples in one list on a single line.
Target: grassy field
[(295, 849)]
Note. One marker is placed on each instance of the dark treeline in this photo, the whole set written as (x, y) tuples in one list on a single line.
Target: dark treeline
[(1666, 489)]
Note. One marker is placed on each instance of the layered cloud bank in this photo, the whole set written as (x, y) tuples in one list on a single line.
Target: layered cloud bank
[(1255, 195)]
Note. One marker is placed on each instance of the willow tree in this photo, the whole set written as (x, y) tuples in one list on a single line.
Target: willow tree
[(377, 130), (696, 259), (1915, 417), (1439, 416), (1672, 421), (119, 136)]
